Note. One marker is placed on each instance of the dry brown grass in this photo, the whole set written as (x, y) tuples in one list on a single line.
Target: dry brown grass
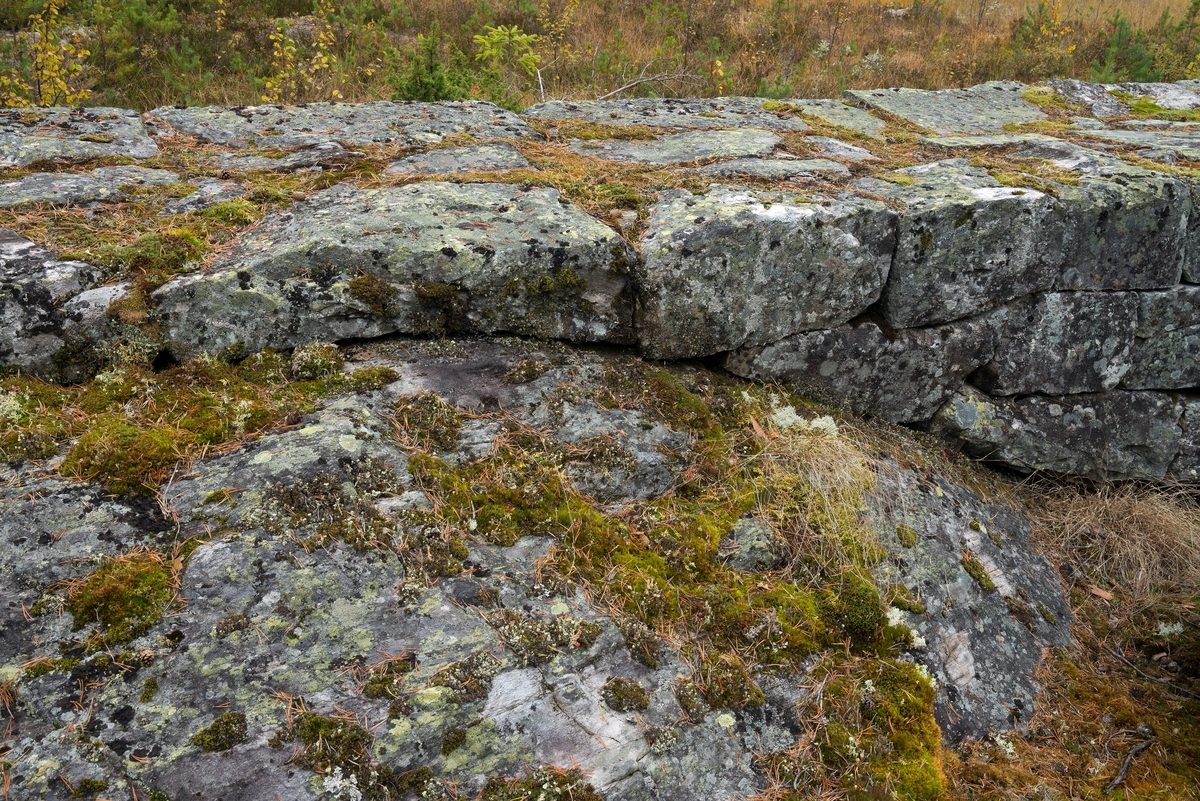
[(1142, 539)]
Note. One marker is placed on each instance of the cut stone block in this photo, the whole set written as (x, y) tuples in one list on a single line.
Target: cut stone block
[(725, 270), (1107, 435), (956, 253), (425, 258), (684, 147), (981, 109), (451, 160), (71, 134), (901, 376), (1061, 343), (1165, 354), (673, 113), (382, 122), (69, 188)]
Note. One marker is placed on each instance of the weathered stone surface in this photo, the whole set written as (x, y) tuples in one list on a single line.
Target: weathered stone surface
[(451, 160), (981, 109), (1095, 96), (1126, 225), (1186, 466), (1162, 145), (209, 192), (982, 646), (1060, 343), (843, 115), (306, 158), (1174, 96), (750, 546), (902, 376), (67, 188), (1107, 435), (837, 149), (724, 271), (956, 254), (382, 122), (778, 169), (672, 113), (438, 256), (1165, 353), (29, 135), (986, 140), (36, 311), (685, 147)]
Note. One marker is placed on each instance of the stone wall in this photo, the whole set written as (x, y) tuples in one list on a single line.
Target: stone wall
[(1013, 276)]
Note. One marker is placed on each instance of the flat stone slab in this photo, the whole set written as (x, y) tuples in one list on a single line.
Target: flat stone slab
[(1165, 353), (725, 270), (837, 149), (956, 254), (1060, 343), (209, 192), (981, 109), (1173, 96), (986, 140), (1106, 435), (46, 134), (779, 169), (843, 115), (902, 376), (452, 160), (67, 188), (323, 154), (426, 258), (684, 147), (382, 122), (982, 646), (672, 113)]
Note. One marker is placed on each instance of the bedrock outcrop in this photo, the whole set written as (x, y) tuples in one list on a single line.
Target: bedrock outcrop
[(1028, 255)]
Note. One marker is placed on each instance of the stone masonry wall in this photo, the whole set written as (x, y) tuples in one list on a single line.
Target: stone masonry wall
[(1016, 269)]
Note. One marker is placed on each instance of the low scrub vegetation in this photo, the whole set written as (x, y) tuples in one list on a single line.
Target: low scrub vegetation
[(146, 53)]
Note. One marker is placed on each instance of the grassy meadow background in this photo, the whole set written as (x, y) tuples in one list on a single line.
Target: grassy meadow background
[(146, 53)]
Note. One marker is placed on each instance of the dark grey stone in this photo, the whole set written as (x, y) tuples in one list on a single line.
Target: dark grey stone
[(903, 376), (1060, 343), (1165, 354), (71, 134), (68, 188)]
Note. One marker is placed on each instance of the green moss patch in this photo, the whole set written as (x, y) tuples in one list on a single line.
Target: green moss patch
[(223, 733), (544, 784), (426, 422), (373, 292), (976, 570), (125, 596), (624, 695)]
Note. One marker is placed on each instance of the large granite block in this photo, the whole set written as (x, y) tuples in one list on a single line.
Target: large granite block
[(901, 376), (1060, 343), (425, 258), (725, 270), (1106, 435), (958, 252)]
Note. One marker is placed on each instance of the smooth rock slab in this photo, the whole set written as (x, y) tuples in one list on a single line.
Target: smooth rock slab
[(956, 251), (777, 169), (1173, 96), (837, 149), (209, 192), (1095, 96), (981, 109), (451, 160), (1106, 435), (29, 135), (843, 115), (1061, 343), (982, 655), (311, 157), (1165, 353), (439, 256), (684, 147), (68, 188), (381, 122), (671, 113), (725, 271), (901, 376)]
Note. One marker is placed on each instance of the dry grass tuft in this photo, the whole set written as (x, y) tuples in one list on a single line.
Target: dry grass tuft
[(1144, 539)]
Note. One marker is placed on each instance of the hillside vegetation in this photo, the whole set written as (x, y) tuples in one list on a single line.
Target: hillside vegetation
[(146, 53)]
